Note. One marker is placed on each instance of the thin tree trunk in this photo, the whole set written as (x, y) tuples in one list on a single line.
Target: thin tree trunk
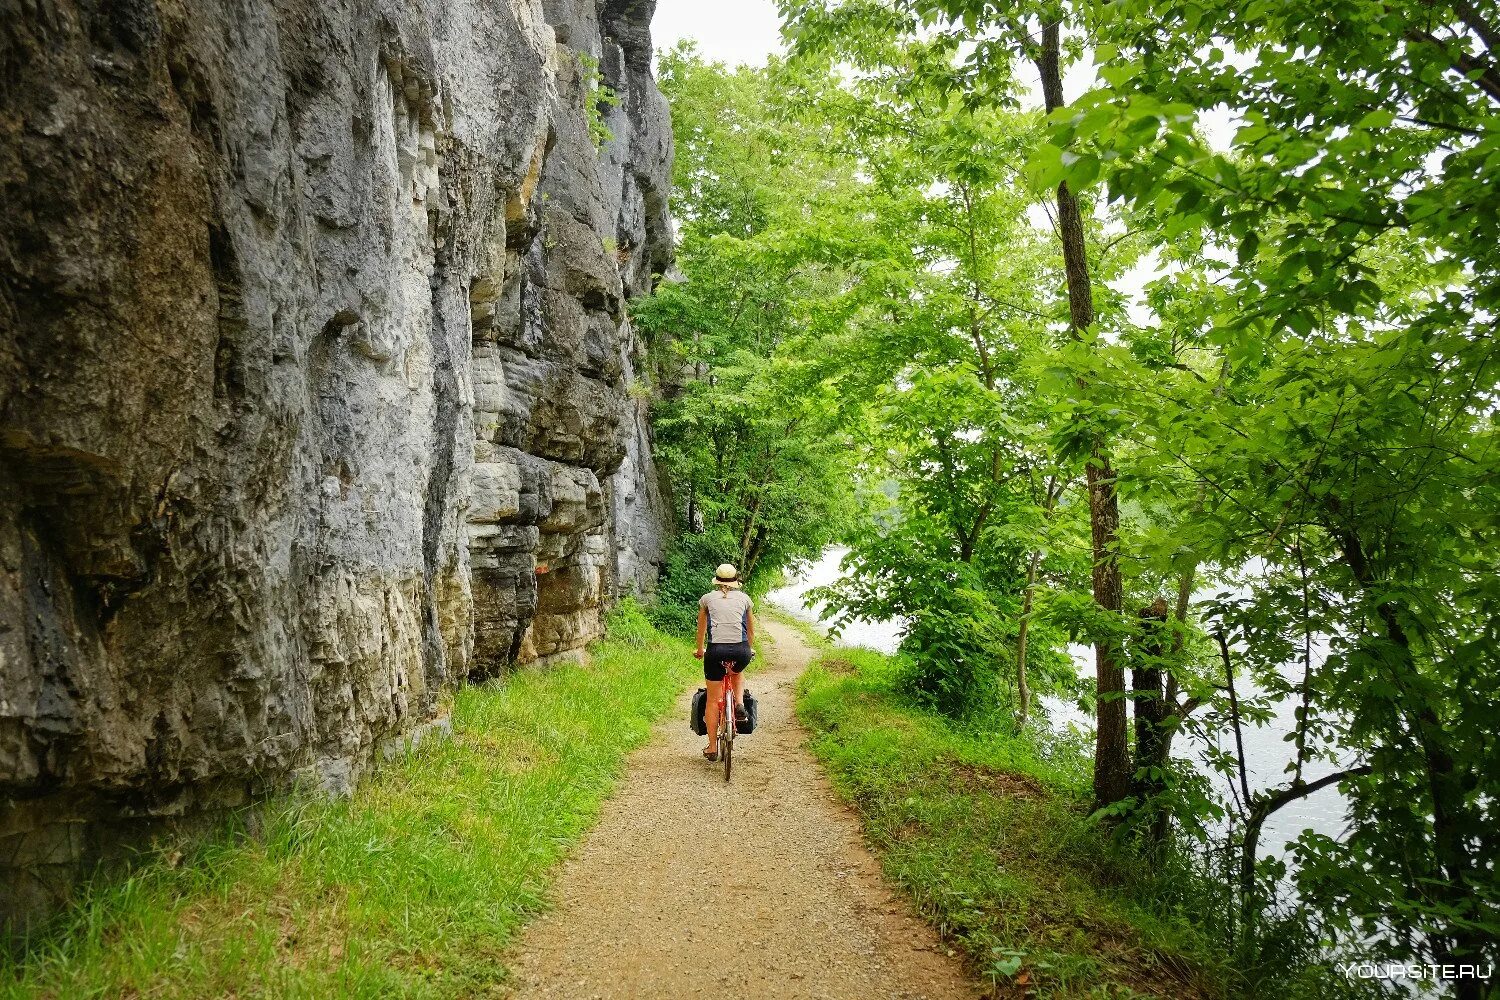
[(1451, 813), (1152, 734), (1263, 807), (1185, 596), (1111, 745), (1178, 712), (757, 549), (1023, 692), (1111, 748), (750, 525)]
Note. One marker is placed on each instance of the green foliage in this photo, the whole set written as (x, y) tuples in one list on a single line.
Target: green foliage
[(629, 624), (597, 96), (1304, 404), (961, 616), (1356, 442), (863, 295), (988, 833), (673, 618), (760, 464), (987, 830), (685, 578), (414, 886)]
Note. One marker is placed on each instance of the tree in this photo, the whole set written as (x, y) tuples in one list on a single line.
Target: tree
[(1317, 382), (759, 462), (1354, 448), (945, 305), (1034, 33)]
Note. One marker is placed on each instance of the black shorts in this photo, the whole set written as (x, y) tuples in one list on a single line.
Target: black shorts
[(718, 659)]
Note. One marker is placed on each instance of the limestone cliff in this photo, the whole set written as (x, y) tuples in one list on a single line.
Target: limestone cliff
[(316, 386)]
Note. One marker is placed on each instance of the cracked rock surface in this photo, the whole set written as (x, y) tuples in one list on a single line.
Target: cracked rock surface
[(315, 388)]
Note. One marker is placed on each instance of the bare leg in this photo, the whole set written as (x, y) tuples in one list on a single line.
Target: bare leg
[(736, 679), (711, 714)]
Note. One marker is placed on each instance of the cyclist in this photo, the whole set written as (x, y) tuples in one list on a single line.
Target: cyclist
[(726, 618)]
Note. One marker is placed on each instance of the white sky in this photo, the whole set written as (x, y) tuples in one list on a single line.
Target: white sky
[(728, 31)]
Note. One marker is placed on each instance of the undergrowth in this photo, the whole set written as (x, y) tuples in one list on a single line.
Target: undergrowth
[(988, 830), (412, 887), (989, 835)]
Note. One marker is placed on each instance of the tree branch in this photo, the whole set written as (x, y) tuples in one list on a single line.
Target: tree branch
[(1486, 78), (1302, 789), (1476, 23)]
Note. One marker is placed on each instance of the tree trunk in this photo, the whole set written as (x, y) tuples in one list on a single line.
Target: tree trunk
[(1055, 488), (1180, 611), (1146, 689), (1451, 812), (1023, 692), (1111, 746), (757, 549), (750, 526), (1261, 808), (1152, 735)]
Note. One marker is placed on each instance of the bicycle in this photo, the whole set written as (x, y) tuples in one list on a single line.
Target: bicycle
[(727, 724)]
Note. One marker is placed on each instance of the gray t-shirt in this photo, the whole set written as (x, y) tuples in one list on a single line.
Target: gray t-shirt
[(728, 616)]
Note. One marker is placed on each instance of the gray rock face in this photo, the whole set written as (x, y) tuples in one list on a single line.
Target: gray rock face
[(315, 387)]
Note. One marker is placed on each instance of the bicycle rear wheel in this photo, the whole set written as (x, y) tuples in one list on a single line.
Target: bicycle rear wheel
[(726, 740)]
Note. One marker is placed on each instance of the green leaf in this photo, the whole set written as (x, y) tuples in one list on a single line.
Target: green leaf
[(1378, 118)]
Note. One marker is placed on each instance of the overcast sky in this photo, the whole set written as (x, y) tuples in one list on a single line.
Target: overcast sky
[(746, 31), (729, 31)]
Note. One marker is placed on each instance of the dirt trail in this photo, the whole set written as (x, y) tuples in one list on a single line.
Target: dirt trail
[(809, 913)]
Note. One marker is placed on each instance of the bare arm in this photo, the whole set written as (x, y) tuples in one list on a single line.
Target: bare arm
[(702, 630), (750, 627)]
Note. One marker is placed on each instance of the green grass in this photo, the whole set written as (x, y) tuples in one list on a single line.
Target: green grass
[(989, 836), (413, 887), (810, 633)]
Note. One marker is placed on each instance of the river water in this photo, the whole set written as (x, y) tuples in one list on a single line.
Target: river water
[(1267, 751)]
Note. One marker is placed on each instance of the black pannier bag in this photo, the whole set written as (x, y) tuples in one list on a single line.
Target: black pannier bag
[(752, 715), (696, 713)]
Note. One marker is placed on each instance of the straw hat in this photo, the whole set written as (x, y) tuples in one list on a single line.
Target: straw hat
[(727, 576)]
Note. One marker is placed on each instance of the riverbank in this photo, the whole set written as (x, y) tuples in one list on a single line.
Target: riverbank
[(413, 887), (989, 835), (1265, 744)]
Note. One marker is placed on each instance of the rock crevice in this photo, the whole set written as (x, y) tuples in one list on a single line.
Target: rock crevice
[(315, 388)]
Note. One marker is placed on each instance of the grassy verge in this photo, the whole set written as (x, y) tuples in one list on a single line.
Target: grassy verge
[(413, 887), (811, 634), (988, 834)]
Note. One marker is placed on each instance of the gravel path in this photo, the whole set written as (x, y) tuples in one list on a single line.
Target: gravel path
[(809, 914)]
